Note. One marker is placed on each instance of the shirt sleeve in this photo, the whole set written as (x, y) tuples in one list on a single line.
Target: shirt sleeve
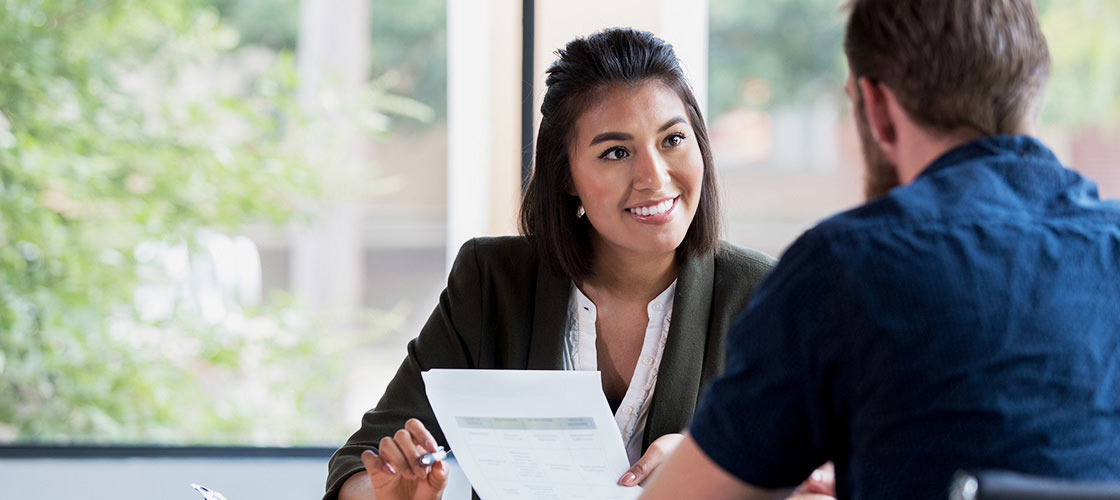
[(765, 419), (449, 339)]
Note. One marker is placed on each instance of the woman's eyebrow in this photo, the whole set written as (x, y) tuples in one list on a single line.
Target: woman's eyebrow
[(671, 122), (620, 136), (610, 136)]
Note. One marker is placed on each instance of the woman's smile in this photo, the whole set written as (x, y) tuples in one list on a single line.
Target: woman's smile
[(656, 212)]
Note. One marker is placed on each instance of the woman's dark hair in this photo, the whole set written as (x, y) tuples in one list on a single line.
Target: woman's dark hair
[(587, 66)]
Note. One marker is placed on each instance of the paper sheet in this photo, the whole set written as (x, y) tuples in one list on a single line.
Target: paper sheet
[(531, 434)]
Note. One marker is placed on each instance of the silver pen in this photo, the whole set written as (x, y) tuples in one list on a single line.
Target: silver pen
[(431, 458), (207, 493)]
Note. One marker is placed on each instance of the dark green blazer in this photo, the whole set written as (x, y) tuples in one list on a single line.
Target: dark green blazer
[(503, 309)]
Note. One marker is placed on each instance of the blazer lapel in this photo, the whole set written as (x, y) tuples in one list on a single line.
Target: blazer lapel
[(550, 316), (678, 378)]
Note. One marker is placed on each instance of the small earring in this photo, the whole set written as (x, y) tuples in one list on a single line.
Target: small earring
[(579, 211)]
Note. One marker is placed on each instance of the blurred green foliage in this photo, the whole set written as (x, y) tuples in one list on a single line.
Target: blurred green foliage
[(408, 42), (410, 50), (115, 132), (793, 47), (790, 47), (1084, 88), (272, 23), (129, 124)]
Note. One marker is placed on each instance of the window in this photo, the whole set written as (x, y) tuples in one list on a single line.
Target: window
[(201, 213), (221, 220), (784, 140)]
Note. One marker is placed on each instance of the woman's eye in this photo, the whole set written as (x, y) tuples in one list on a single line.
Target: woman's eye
[(674, 140), (614, 153)]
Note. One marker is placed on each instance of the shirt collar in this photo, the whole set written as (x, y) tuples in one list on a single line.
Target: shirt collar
[(1021, 145), (659, 306)]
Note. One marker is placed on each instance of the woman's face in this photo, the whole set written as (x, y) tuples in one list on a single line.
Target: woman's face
[(636, 168)]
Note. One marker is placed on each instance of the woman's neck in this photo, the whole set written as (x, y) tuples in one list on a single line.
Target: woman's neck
[(631, 275)]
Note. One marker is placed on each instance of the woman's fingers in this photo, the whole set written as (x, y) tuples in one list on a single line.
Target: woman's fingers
[(437, 478), (406, 443), (379, 472), (391, 453), (399, 456), (374, 463), (420, 435), (821, 482), (651, 459), (641, 469), (810, 496)]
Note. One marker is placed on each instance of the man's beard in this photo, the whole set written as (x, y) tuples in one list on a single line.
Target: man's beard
[(880, 174)]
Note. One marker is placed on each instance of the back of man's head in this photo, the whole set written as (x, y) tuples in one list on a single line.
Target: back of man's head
[(979, 65)]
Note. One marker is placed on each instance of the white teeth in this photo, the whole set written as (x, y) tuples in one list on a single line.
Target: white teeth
[(657, 209)]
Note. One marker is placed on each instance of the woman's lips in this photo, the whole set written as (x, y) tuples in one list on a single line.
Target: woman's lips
[(660, 213)]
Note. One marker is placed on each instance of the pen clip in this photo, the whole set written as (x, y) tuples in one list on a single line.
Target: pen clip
[(431, 458), (207, 493)]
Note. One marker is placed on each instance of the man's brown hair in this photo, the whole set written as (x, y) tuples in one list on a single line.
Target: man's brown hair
[(953, 64)]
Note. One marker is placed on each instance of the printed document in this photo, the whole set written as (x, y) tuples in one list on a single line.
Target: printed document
[(531, 434)]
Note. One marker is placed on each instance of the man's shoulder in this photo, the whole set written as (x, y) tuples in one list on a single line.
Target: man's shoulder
[(893, 209), (905, 209), (844, 242)]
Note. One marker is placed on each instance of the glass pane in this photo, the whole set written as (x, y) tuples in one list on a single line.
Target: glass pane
[(170, 195), (783, 146), (782, 133)]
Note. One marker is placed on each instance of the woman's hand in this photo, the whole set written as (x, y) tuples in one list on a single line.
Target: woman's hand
[(820, 485), (396, 474), (653, 457)]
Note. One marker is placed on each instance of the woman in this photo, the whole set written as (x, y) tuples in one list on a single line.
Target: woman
[(620, 269)]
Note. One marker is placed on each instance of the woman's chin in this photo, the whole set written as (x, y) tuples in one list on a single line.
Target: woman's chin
[(658, 247)]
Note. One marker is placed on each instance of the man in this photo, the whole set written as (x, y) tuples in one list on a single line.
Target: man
[(968, 316)]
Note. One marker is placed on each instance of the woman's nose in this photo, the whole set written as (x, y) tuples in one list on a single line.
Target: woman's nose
[(651, 172)]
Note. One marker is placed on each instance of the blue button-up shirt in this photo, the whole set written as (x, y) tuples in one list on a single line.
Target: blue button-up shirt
[(970, 319)]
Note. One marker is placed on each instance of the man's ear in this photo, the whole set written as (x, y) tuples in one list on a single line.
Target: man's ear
[(877, 102)]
